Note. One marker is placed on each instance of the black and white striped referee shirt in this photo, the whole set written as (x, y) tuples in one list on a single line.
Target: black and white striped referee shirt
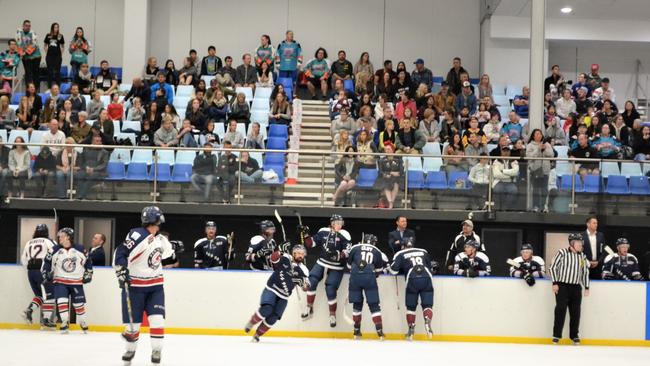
[(570, 267)]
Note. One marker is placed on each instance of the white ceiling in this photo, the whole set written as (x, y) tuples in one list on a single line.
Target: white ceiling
[(638, 10)]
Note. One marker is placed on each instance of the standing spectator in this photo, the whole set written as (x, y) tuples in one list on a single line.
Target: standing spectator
[(9, 61), (93, 166), (79, 49), (402, 236), (421, 75), (161, 92), (225, 173), (539, 169), (226, 75), (363, 73), (569, 273), (68, 163), (254, 139), (485, 88), (166, 135), (115, 108), (187, 74), (280, 110), (96, 254), (45, 169), (556, 79), (151, 71), (246, 74), (240, 109), (19, 167), (170, 72), (479, 176), (342, 68), (106, 80), (29, 51), (54, 46), (347, 170), (466, 98), (250, 169), (317, 71), (211, 63), (265, 53), (453, 76), (289, 57), (53, 136), (235, 137), (505, 173), (630, 114), (390, 174), (203, 171), (520, 103), (594, 244)]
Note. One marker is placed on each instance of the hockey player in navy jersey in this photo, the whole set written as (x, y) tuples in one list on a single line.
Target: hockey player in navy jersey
[(68, 268), (418, 270), (471, 262), (335, 246), (261, 247), (366, 262), (527, 266), (289, 272), (211, 252), (138, 265), (622, 265), (32, 259)]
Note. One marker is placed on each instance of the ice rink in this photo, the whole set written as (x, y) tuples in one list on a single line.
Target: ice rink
[(27, 347)]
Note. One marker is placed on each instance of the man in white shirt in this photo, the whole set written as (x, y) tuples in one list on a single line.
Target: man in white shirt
[(594, 243), (54, 136), (599, 93), (565, 105)]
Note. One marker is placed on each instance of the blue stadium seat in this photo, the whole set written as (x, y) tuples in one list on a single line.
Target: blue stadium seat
[(118, 72), (438, 79), (182, 172), (115, 171), (454, 176), (566, 183), (617, 184), (367, 178), (185, 157), (630, 169), (142, 156), (163, 172), (414, 163), (65, 74), (639, 185), (277, 130), (165, 156), (415, 179), (436, 180), (137, 171), (608, 168), (431, 148), (276, 143), (348, 85), (287, 83), (273, 159), (593, 184), (65, 88), (15, 98), (278, 169), (122, 155), (94, 70), (432, 164)]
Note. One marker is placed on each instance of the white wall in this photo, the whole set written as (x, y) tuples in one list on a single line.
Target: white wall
[(491, 307), (102, 20)]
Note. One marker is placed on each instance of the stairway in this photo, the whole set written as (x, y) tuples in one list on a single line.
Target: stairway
[(314, 135)]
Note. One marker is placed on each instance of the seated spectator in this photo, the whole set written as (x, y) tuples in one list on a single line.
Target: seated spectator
[(479, 176), (583, 150), (385, 86), (341, 102), (226, 75), (599, 93), (473, 129), (454, 156), (474, 148), (365, 101), (422, 75), (137, 112), (504, 141), (630, 114), (115, 108), (520, 102), (209, 135), (27, 120), (78, 102), (539, 169), (482, 115), (203, 104), (504, 174), (219, 108), (608, 112), (45, 168), (317, 71), (428, 103), (161, 92), (145, 138), (485, 89), (512, 128), (280, 111), (106, 124), (4, 169), (264, 76), (582, 102), (67, 163), (342, 68), (565, 105), (170, 72), (607, 145), (53, 136), (449, 126), (582, 82), (463, 117), (582, 129), (466, 99), (154, 115), (402, 85), (347, 170), (187, 75), (409, 118), (551, 114), (343, 121), (492, 129), (340, 143), (365, 115), (8, 115), (18, 164), (84, 79), (365, 146), (554, 133), (388, 115), (429, 126), (405, 103), (225, 174), (622, 133), (105, 79), (81, 130), (150, 71), (211, 63), (254, 139), (363, 73), (390, 175), (235, 137), (642, 145), (409, 140), (93, 166), (444, 99), (95, 106), (246, 74), (204, 169), (250, 169), (240, 110), (196, 116), (166, 135), (491, 108), (185, 135), (96, 130)]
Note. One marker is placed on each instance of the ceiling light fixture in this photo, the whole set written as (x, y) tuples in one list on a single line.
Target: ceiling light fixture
[(566, 10)]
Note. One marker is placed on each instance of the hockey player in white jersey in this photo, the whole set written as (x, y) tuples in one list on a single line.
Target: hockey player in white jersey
[(622, 265), (471, 262), (138, 265), (34, 253), (527, 266), (69, 269)]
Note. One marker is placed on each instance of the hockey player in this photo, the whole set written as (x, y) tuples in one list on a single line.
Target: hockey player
[(418, 270), (622, 265), (527, 266), (366, 262), (211, 252), (288, 272), (69, 268), (138, 265), (335, 246), (467, 233), (261, 247), (471, 262), (32, 259)]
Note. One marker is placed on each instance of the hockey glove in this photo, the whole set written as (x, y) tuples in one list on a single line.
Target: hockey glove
[(435, 267), (471, 272), (264, 252), (285, 247), (47, 276), (303, 230), (637, 277), (88, 276), (530, 279), (122, 274)]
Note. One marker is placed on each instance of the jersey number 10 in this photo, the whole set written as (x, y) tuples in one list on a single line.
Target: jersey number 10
[(417, 261), (367, 257)]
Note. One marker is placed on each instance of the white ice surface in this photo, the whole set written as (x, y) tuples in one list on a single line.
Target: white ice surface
[(28, 347)]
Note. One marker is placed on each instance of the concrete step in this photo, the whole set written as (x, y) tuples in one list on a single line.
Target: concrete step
[(310, 159), (304, 188), (315, 132), (314, 174), (315, 145), (309, 124), (312, 195), (298, 202), (326, 140), (312, 119), (316, 114), (311, 180), (317, 165), (310, 103)]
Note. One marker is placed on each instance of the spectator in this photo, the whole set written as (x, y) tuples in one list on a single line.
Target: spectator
[(93, 166), (211, 63), (347, 170), (608, 146), (225, 174), (235, 137), (582, 82), (390, 175), (594, 245), (366, 146), (429, 126), (622, 133), (53, 136), (166, 136), (582, 103), (151, 71), (449, 126), (551, 114), (95, 105), (185, 135), (240, 110), (64, 126), (84, 79), (485, 88), (556, 79), (363, 73), (29, 51), (554, 133), (423, 98), (246, 74), (365, 125), (161, 92), (250, 169), (341, 102), (70, 115), (482, 115), (45, 169), (473, 128), (381, 105), (280, 110), (444, 99), (137, 112), (466, 99), (565, 105), (264, 76), (203, 104), (539, 169), (9, 61), (594, 80), (642, 145), (422, 75), (187, 74), (194, 58), (26, 119), (4, 167), (365, 101), (170, 72), (343, 121), (317, 72), (54, 46), (342, 68), (453, 76), (265, 53), (453, 159), (209, 135), (405, 103), (78, 102), (145, 138), (226, 75), (96, 130), (583, 150), (115, 108), (106, 124), (492, 129), (153, 116), (365, 115), (388, 69), (18, 164), (409, 140), (254, 139), (204, 170), (196, 116), (512, 128), (288, 57), (79, 49), (105, 79), (479, 176), (520, 103), (218, 108), (607, 112), (401, 66), (8, 115), (386, 86), (340, 143), (504, 174), (600, 92), (35, 101), (630, 114), (67, 163), (96, 254), (474, 148), (402, 85)]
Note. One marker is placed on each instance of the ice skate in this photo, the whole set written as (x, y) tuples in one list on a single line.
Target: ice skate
[(410, 332), (332, 321), (308, 313), (357, 333), (380, 334), (427, 328), (27, 316), (127, 357), (155, 357)]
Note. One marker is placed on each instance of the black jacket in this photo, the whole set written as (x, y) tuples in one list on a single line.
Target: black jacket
[(142, 92), (97, 256), (598, 256), (397, 240), (453, 80), (204, 164), (340, 171)]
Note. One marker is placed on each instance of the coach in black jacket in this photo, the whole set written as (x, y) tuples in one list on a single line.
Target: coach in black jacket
[(594, 244), (398, 238)]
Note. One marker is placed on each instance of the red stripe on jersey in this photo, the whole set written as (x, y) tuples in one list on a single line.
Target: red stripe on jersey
[(66, 281), (157, 331), (154, 281), (137, 256)]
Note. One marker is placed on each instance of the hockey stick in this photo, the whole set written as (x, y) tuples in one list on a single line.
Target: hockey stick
[(302, 236), (279, 218), (56, 222), (230, 237), (129, 309)]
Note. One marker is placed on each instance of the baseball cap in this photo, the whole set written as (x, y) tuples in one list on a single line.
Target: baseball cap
[(419, 61), (605, 80), (468, 223), (466, 84), (595, 66)]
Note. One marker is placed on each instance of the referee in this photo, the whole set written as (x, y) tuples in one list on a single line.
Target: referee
[(569, 272)]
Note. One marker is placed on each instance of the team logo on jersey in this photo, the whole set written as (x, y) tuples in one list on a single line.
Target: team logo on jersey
[(155, 258), (69, 265)]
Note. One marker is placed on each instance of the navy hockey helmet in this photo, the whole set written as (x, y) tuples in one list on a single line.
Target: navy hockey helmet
[(336, 217), (66, 231), (210, 224), (573, 237), (622, 241), (152, 215), (266, 225), (472, 243), (41, 231), (370, 239), (526, 246), (298, 248)]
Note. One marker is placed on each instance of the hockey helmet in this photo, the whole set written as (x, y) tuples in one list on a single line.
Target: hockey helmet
[(573, 237), (370, 239), (152, 215), (526, 246), (210, 224), (336, 217), (266, 225), (622, 241), (468, 223), (472, 243), (67, 231), (41, 231)]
